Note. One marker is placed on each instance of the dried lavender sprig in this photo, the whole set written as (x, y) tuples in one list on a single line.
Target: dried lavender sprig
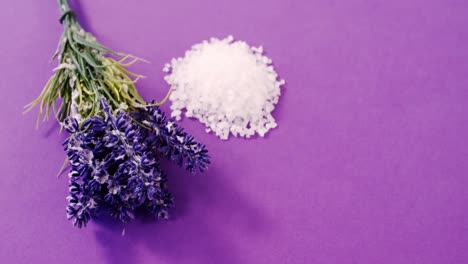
[(171, 140), (87, 71), (115, 163)]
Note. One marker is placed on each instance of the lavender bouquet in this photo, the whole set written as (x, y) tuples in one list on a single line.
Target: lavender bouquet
[(116, 140)]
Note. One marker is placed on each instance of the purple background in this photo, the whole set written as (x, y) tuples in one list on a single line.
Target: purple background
[(368, 165)]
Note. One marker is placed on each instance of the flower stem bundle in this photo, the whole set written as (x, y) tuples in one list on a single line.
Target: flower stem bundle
[(87, 72), (116, 139)]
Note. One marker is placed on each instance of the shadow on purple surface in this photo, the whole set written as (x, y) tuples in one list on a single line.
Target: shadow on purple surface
[(82, 16), (53, 127), (188, 235)]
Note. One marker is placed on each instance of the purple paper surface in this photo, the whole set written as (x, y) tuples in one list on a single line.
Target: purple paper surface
[(368, 164)]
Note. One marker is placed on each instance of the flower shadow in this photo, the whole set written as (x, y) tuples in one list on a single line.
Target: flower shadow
[(53, 127), (189, 234)]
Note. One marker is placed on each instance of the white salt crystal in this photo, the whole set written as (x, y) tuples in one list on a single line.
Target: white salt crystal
[(227, 85)]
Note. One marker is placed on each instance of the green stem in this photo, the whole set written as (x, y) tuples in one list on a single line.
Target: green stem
[(67, 13), (64, 6)]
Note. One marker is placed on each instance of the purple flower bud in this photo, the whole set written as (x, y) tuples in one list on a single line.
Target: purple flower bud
[(116, 163)]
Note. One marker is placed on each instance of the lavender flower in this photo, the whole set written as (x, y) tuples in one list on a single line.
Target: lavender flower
[(115, 162), (172, 142)]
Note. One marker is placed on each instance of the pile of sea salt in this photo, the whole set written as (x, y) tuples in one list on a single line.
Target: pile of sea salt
[(227, 85)]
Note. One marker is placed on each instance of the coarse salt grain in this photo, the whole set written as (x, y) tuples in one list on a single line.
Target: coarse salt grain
[(228, 86)]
